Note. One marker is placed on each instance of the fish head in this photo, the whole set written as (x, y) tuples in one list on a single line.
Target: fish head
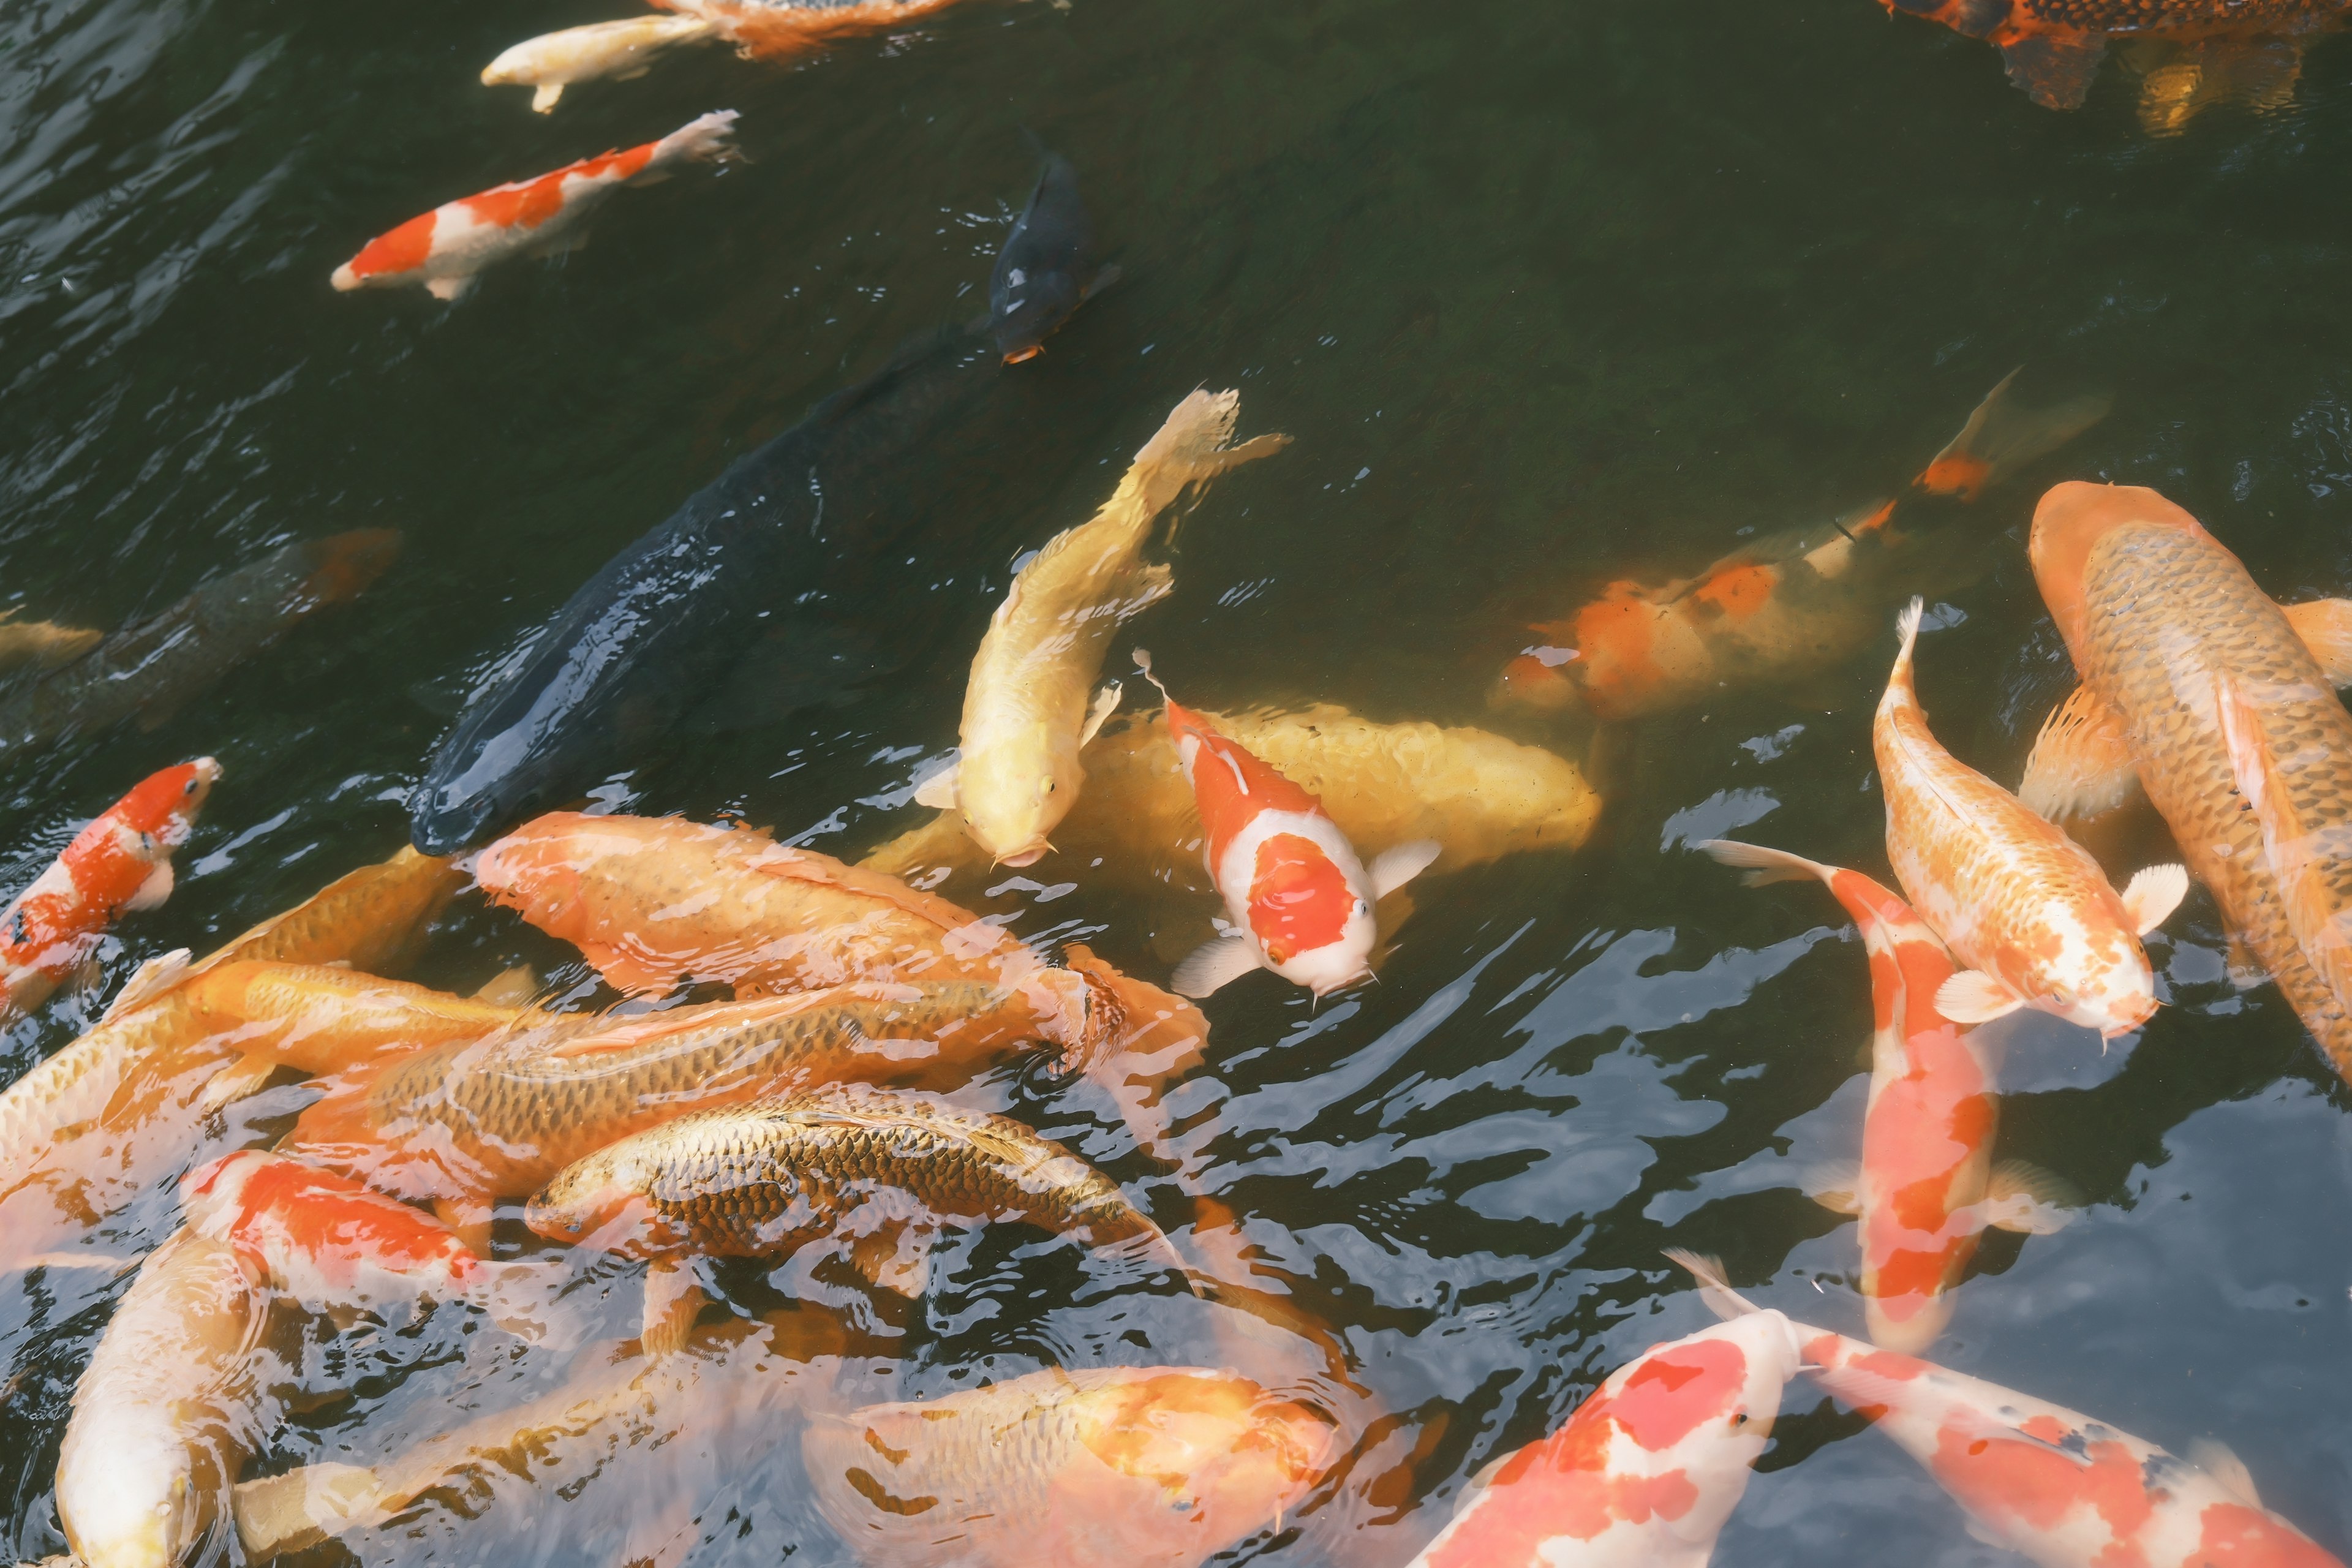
[(1042, 272), (1538, 681), (2108, 988), (599, 1202), (1011, 804), (146, 1504), (1227, 1455), (165, 804), (1310, 908), (2073, 519), (212, 1194)]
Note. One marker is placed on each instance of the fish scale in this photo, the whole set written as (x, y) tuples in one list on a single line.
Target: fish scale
[(2215, 619), (2152, 16)]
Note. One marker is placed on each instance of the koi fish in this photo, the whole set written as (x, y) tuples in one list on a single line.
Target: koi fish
[(736, 611), (120, 861), (767, 1178), (325, 1019), (1045, 270), (1026, 710), (2025, 907), (1480, 796), (150, 670), (766, 30), (1926, 1188), (447, 248), (1110, 1468), (2055, 1486), (2051, 48), (601, 51), (1647, 1469), (1300, 900), (41, 646), (167, 1411), (1787, 606), (323, 1239), (2234, 727)]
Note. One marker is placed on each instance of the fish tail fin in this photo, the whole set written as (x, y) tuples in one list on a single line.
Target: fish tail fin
[(1713, 1288), (1190, 447), (1146, 1037), (1907, 626), (2322, 928), (2002, 435), (1763, 865), (708, 140)]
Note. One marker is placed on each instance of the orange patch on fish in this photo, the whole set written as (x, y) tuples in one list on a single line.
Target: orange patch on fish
[(1299, 899), (1739, 592)]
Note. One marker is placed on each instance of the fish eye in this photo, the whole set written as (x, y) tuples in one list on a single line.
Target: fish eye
[(188, 788)]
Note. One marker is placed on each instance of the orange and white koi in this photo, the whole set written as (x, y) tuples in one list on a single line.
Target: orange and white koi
[(763, 30), (446, 249), (122, 861), (2025, 907), (2058, 1486), (1926, 1188), (1299, 899), (325, 1241), (1647, 1469)]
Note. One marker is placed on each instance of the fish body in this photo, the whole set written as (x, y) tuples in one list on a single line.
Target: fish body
[(1645, 1471), (327, 1018), (600, 51), (1045, 270), (324, 1240), (1025, 709), (1786, 606), (446, 251), (764, 31), (2235, 728), (150, 670), (2025, 907), (166, 1411), (120, 861), (750, 602), (1113, 1467), (1299, 899)]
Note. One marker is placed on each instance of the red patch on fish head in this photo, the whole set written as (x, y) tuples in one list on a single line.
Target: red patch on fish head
[(219, 1178), (399, 250), (1616, 641), (1676, 1391), (1299, 899), (171, 795), (1736, 592), (2072, 518)]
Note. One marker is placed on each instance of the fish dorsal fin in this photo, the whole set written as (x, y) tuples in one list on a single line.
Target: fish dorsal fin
[(2155, 891), (149, 980), (2219, 1461), (938, 790), (2028, 1199), (1397, 865), (1213, 965), (1972, 997), (2081, 765), (1106, 705), (1836, 1184)]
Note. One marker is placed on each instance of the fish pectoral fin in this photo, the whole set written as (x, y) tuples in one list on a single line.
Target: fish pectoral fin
[(1836, 1185), (1984, 1534), (2081, 765), (241, 1079), (2245, 970), (673, 1299), (154, 889), (632, 75), (2326, 628), (449, 291), (285, 1514), (896, 1256), (2056, 72), (149, 980), (1972, 997), (512, 987), (1214, 965), (1401, 864), (938, 790), (1106, 705), (547, 97), (2155, 891), (2028, 1199), (2219, 1461)]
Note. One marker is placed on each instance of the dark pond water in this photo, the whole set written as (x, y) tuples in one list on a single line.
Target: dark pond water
[(1546, 294)]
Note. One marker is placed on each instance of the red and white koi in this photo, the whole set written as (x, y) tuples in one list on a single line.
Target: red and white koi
[(1926, 1188), (2057, 1486), (2023, 906), (1299, 897), (122, 861), (325, 1241), (446, 249), (1647, 1469)]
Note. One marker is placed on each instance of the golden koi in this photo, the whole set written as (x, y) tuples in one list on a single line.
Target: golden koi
[(2024, 906), (600, 51)]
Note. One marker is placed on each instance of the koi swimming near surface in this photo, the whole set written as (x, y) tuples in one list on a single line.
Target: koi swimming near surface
[(600, 51)]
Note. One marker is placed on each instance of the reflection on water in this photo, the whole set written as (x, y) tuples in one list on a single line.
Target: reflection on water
[(1589, 295)]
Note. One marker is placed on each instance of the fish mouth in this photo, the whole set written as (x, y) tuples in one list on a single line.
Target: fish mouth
[(1022, 356), (1023, 858)]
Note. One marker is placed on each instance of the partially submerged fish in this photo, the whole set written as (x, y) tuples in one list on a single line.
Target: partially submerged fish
[(1113, 1467), (2060, 1488), (1045, 270), (446, 251), (2236, 731), (1026, 709), (1646, 1471), (786, 29), (600, 51), (1479, 796), (1787, 606), (150, 670), (120, 861), (750, 602), (2023, 906), (1925, 1189), (2053, 47)]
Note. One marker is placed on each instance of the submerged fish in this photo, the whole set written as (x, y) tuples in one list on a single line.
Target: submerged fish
[(2058, 1486), (600, 51), (2025, 907), (754, 600), (1045, 270), (1479, 796), (2053, 47), (150, 670), (1026, 712), (1925, 1189), (446, 249), (122, 861), (2237, 733), (785, 30), (1115, 1467), (1299, 899), (41, 646), (1647, 1469), (1786, 607)]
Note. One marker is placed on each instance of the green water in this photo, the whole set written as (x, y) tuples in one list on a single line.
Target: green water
[(1546, 294)]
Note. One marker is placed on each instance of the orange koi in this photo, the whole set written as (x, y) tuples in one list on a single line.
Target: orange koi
[(323, 1239), (763, 31)]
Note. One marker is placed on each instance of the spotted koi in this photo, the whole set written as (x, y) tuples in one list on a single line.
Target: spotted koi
[(323, 1240)]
